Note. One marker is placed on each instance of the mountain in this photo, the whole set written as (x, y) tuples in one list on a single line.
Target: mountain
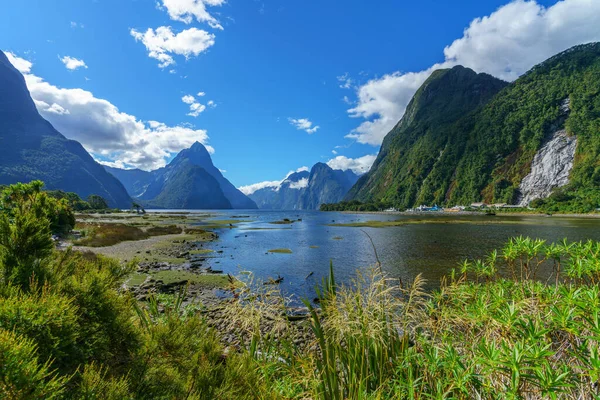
[(286, 196), (135, 180), (190, 180), (326, 185), (306, 190), (469, 137), (33, 149)]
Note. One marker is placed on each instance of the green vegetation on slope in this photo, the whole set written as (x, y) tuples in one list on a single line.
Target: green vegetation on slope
[(448, 151)]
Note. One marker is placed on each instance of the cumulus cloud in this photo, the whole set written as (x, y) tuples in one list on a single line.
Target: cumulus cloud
[(109, 134), (304, 124), (186, 10), (73, 63), (274, 185), (358, 165), (195, 107), (301, 184), (22, 65), (188, 99), (505, 44), (163, 43)]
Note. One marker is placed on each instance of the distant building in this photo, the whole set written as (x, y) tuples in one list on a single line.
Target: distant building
[(499, 205), (478, 205)]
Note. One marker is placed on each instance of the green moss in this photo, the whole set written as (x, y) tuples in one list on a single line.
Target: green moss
[(202, 251), (208, 280), (281, 251)]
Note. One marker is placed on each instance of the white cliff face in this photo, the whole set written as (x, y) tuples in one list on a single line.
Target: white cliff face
[(550, 168)]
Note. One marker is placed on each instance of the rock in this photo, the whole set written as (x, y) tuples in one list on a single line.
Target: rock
[(550, 168)]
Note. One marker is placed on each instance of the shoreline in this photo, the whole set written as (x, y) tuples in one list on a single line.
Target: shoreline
[(470, 214)]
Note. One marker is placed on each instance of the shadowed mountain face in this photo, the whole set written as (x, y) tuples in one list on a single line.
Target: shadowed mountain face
[(189, 181), (307, 190), (33, 149)]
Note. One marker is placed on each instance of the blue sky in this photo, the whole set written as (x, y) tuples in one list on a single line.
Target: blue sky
[(347, 67)]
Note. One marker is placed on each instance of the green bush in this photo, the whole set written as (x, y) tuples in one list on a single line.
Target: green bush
[(22, 376)]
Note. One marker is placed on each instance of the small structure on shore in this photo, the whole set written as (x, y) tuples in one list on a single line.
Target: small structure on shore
[(479, 205)]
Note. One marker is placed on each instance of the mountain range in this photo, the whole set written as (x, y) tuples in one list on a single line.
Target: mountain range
[(465, 137), (190, 181), (468, 137), (306, 190), (33, 149)]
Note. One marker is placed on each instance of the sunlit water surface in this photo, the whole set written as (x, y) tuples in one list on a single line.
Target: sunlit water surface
[(430, 249)]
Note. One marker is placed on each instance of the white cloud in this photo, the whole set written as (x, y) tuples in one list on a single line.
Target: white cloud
[(188, 99), (201, 94), (22, 65), (195, 107), (358, 165), (249, 189), (345, 81), (274, 185), (301, 184), (162, 43), (104, 130), (506, 44), (73, 63), (223, 171), (211, 104), (186, 10), (304, 124), (76, 25), (334, 152)]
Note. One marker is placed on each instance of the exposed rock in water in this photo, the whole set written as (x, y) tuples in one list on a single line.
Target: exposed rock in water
[(550, 168)]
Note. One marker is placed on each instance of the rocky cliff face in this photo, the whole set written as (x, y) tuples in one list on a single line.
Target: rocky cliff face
[(550, 168)]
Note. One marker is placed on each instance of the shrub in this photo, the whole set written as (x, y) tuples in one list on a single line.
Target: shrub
[(22, 376)]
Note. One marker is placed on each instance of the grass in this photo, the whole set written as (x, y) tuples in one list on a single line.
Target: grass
[(101, 235), (281, 251), (206, 280), (482, 335), (202, 251), (164, 230)]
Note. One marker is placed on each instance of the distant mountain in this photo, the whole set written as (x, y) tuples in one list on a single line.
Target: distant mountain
[(306, 190), (33, 149), (286, 196), (468, 137), (326, 185), (189, 181), (135, 180)]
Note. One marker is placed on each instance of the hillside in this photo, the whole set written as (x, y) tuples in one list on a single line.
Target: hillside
[(465, 137), (33, 149), (306, 190)]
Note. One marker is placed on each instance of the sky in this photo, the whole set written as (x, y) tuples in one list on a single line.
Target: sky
[(269, 86)]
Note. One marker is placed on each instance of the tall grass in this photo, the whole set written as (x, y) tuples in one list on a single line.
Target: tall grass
[(494, 330)]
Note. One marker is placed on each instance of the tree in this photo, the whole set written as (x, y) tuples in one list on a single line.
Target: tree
[(96, 202)]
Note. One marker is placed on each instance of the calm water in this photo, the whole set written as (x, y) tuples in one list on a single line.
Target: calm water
[(405, 251)]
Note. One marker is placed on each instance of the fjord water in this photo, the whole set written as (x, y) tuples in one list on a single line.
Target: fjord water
[(428, 245)]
